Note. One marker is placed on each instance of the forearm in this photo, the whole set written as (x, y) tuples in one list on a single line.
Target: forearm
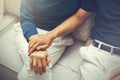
[(70, 24), (28, 29), (42, 42), (27, 19)]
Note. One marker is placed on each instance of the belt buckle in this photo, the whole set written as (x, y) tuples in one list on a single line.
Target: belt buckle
[(105, 48)]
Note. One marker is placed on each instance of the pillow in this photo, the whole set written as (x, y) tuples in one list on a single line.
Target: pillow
[(12, 6), (1, 10), (83, 31)]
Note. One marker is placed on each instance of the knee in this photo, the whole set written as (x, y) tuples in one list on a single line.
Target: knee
[(91, 72)]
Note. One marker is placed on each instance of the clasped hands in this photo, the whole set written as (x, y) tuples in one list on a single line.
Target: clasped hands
[(37, 50), (40, 59)]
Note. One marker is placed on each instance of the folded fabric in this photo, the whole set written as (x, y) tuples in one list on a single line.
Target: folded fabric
[(1, 10)]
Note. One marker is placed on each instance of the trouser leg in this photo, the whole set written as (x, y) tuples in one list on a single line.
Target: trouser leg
[(97, 63), (55, 54), (55, 51)]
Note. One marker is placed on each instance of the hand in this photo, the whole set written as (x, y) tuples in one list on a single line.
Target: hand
[(38, 61), (39, 42), (88, 42), (115, 74)]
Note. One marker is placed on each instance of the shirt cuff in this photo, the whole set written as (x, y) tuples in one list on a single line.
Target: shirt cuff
[(29, 34)]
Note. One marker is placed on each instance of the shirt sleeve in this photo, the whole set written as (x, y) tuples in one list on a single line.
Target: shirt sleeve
[(27, 22), (89, 5)]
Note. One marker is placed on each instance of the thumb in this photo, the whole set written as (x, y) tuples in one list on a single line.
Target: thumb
[(48, 60)]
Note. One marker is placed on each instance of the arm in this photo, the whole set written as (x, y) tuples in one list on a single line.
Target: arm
[(70, 24), (43, 42), (87, 6), (27, 16)]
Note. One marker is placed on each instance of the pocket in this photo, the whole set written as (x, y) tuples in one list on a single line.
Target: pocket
[(89, 54)]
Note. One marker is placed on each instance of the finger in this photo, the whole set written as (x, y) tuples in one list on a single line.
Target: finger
[(43, 64), (32, 42), (31, 37), (39, 66), (38, 48), (37, 69), (48, 60), (36, 45), (31, 50), (34, 65), (42, 47), (118, 78), (114, 76), (110, 78), (29, 47), (31, 62)]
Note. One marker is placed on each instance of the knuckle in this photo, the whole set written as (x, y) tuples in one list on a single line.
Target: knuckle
[(33, 47), (31, 55), (38, 42), (44, 66), (37, 56), (34, 57), (42, 56)]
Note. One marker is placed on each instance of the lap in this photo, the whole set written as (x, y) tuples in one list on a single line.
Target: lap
[(97, 62), (56, 49), (68, 67)]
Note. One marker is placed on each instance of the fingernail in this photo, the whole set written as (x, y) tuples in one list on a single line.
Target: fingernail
[(44, 71)]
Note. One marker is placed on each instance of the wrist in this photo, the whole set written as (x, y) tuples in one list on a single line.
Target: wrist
[(31, 37), (52, 35)]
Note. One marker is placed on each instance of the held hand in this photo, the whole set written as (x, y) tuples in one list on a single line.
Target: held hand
[(39, 42), (115, 74), (38, 61)]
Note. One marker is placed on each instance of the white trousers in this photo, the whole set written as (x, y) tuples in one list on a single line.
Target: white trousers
[(55, 51), (97, 63)]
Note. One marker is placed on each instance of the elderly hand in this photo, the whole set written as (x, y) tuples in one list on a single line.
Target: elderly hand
[(40, 42), (38, 61), (115, 74)]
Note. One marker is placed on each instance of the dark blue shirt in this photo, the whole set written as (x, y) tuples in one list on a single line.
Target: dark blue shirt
[(45, 14), (107, 21)]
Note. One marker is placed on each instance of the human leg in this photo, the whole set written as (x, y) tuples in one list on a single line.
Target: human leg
[(55, 51), (98, 63)]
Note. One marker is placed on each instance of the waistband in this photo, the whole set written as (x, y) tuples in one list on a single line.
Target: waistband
[(106, 47)]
